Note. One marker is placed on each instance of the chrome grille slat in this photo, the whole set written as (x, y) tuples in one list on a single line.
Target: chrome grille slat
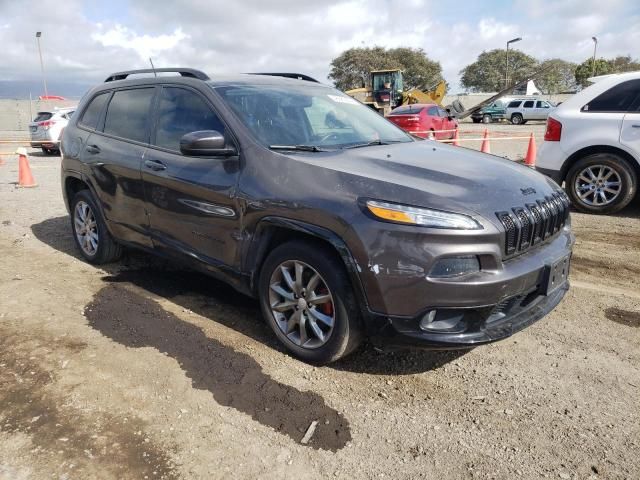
[(534, 223)]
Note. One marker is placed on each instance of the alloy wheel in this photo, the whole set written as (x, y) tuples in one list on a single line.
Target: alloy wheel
[(86, 228), (301, 304), (598, 185)]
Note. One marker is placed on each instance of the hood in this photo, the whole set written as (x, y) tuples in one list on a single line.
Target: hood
[(430, 174)]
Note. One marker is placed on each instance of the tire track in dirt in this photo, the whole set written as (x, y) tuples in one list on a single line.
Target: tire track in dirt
[(234, 378)]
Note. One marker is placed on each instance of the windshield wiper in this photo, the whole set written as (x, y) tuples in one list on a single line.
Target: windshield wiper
[(372, 142), (300, 148)]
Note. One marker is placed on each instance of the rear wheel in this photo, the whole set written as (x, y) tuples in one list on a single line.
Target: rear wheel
[(516, 119), (308, 302), (90, 232), (601, 183)]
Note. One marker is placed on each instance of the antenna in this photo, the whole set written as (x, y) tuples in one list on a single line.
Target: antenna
[(153, 68)]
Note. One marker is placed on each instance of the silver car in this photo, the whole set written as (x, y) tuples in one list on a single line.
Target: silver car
[(46, 128), (520, 111)]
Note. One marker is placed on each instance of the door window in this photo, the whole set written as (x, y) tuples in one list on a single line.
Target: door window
[(616, 99), (542, 105), (128, 114), (433, 111), (91, 114), (180, 112), (442, 112), (514, 104), (528, 104)]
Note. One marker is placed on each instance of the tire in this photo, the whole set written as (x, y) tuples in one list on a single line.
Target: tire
[(516, 119), (486, 118), (104, 249), (346, 333), (601, 164), (457, 106), (476, 120)]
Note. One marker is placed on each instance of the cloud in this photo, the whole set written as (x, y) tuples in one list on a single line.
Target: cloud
[(83, 44)]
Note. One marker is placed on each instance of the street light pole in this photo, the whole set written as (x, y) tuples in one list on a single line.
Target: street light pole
[(44, 80), (506, 69), (595, 45)]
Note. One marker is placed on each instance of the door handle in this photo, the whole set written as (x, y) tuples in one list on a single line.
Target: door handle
[(93, 149), (155, 165)]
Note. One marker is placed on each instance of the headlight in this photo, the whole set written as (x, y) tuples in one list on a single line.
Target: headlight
[(426, 217)]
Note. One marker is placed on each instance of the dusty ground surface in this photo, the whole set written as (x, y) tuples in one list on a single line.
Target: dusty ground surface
[(144, 370)]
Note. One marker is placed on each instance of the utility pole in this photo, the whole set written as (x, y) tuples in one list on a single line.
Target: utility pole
[(44, 80), (595, 45), (506, 69)]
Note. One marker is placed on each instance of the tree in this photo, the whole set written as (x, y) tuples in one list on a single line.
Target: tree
[(351, 68), (558, 76), (487, 73), (603, 67)]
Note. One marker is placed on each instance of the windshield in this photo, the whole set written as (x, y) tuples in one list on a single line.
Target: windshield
[(308, 115)]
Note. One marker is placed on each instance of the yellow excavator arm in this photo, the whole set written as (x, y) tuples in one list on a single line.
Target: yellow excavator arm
[(434, 95)]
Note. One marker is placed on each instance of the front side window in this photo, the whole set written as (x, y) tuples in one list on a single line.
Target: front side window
[(91, 115), (542, 105), (528, 104), (128, 114), (180, 112), (307, 115), (617, 99)]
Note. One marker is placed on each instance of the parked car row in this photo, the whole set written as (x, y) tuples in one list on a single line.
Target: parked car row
[(516, 110)]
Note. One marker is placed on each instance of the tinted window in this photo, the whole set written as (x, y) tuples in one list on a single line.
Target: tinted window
[(407, 110), (92, 113), (616, 99), (542, 105), (433, 111), (514, 104), (128, 114), (180, 112), (528, 104), (42, 116)]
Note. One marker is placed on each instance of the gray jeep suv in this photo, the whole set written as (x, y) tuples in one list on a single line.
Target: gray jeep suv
[(344, 226)]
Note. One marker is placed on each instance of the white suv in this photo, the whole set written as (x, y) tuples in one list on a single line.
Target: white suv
[(592, 143), (520, 111), (46, 128)]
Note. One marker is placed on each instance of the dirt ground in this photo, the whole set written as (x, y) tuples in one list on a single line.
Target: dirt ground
[(144, 370)]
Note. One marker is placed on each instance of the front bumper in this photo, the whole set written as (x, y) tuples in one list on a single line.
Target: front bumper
[(483, 325)]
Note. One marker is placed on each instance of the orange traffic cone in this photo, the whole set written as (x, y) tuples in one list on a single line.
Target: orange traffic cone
[(455, 138), (25, 179), (530, 159), (485, 148)]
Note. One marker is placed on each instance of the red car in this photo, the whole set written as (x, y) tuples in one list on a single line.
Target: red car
[(421, 119)]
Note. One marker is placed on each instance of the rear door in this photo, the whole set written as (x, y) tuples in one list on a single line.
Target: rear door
[(630, 129), (191, 200), (113, 153), (528, 110)]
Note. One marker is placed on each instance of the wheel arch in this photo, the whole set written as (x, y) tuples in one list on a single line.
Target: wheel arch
[(274, 231), (593, 149)]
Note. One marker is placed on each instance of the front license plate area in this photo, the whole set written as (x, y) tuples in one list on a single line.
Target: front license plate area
[(556, 275)]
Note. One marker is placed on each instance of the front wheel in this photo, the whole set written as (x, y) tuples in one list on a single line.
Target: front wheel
[(486, 118), (308, 302), (601, 183)]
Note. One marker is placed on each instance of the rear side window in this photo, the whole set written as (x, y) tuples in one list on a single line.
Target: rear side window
[(616, 99), (180, 112), (514, 104), (528, 104), (407, 110), (128, 114), (42, 116), (92, 112)]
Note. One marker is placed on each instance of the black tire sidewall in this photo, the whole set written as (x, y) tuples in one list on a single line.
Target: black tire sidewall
[(622, 168), (346, 333), (516, 119), (104, 237)]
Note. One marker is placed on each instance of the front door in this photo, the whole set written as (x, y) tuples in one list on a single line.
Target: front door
[(190, 200)]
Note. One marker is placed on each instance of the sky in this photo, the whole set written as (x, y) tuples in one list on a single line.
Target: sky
[(83, 41)]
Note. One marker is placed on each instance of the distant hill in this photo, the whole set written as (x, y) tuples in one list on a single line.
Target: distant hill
[(21, 90)]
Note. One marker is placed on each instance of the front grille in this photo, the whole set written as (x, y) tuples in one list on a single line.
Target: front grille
[(535, 222)]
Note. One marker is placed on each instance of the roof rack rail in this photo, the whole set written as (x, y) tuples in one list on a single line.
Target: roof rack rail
[(296, 76), (185, 72)]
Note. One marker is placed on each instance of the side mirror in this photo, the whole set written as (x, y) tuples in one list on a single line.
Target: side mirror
[(205, 143)]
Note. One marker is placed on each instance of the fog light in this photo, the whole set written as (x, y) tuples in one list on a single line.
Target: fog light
[(455, 266), (427, 320)]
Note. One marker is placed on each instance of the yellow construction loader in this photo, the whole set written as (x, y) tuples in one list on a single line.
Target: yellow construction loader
[(387, 92)]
